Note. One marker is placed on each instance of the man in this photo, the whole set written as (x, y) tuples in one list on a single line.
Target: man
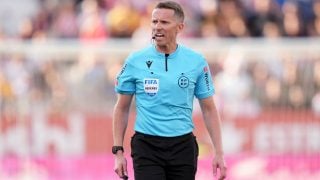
[(164, 78)]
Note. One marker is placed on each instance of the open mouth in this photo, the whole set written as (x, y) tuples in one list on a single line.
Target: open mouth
[(159, 35)]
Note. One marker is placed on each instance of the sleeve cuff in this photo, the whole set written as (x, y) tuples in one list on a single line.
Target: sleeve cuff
[(205, 95)]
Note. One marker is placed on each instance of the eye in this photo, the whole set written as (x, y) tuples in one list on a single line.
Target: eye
[(164, 22)]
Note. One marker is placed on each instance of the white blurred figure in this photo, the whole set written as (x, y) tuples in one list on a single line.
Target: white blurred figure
[(91, 22), (142, 35), (19, 77), (234, 87), (316, 104), (14, 12)]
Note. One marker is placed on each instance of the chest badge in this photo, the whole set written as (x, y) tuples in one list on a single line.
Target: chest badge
[(183, 81), (151, 86)]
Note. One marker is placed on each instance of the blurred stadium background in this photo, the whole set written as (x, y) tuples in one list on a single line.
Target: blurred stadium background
[(59, 59)]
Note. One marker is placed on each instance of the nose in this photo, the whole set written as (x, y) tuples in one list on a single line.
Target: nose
[(157, 25)]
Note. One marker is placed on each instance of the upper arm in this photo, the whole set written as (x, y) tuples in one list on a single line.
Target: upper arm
[(207, 104), (124, 101), (204, 85)]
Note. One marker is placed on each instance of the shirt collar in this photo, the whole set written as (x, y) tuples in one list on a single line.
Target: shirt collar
[(173, 54)]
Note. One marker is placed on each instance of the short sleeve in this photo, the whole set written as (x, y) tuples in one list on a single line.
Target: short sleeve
[(125, 82), (204, 85)]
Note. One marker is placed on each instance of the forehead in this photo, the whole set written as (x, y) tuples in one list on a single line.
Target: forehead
[(163, 13)]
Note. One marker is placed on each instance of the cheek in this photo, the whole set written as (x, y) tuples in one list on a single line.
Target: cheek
[(171, 35), (173, 32)]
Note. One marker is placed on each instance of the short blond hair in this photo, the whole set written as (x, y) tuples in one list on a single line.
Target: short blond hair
[(178, 11)]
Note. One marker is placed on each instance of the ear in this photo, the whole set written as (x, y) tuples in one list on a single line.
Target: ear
[(180, 27)]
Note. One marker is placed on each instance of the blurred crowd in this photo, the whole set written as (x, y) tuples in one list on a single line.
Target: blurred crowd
[(103, 19), (84, 83), (245, 86)]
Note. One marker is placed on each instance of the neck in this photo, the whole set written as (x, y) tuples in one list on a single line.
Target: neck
[(167, 49)]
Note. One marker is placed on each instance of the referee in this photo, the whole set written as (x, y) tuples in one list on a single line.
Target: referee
[(165, 77)]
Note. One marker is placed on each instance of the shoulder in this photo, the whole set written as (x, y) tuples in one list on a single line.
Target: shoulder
[(136, 55), (192, 54)]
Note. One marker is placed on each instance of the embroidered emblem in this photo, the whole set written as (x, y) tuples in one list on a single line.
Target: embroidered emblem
[(183, 81), (149, 63), (206, 77), (122, 70), (151, 86)]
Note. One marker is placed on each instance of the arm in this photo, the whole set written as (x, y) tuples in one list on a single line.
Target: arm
[(120, 122), (212, 122)]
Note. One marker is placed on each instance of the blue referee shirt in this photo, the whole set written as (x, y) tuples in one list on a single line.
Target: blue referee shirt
[(164, 86)]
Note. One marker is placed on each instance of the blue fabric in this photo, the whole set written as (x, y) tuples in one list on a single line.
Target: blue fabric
[(164, 99)]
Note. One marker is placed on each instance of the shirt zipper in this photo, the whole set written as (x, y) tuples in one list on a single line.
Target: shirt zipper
[(166, 61)]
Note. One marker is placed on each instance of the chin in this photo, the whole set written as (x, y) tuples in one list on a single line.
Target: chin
[(161, 44)]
